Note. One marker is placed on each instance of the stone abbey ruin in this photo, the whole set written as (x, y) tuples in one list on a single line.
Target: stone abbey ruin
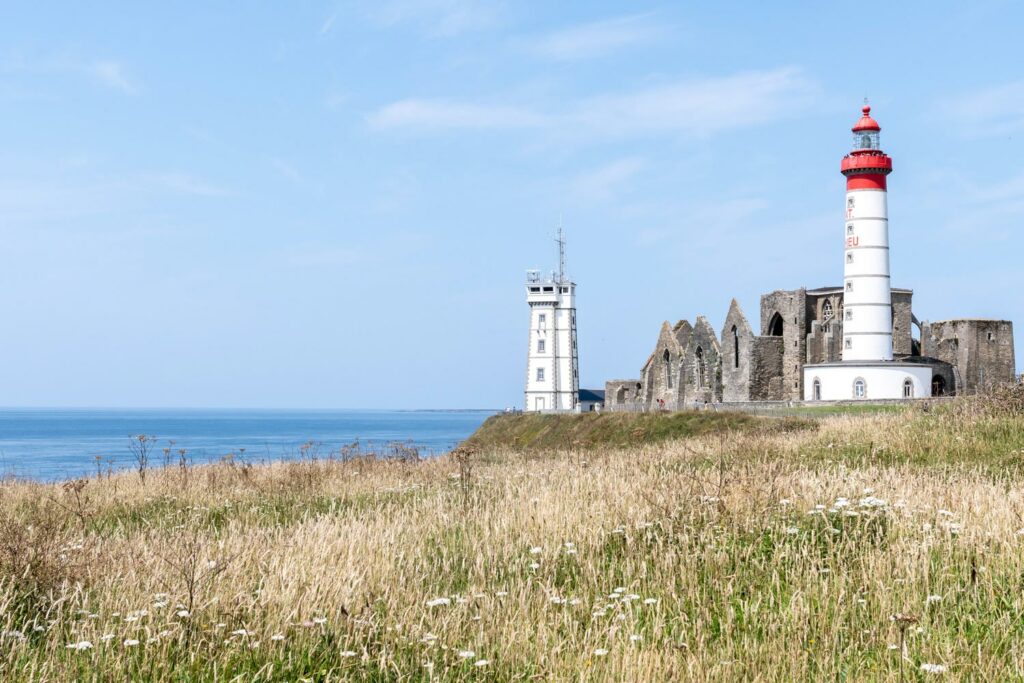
[(692, 365)]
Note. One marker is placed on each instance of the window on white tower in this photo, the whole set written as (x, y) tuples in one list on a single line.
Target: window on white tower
[(849, 314), (542, 320), (849, 257), (847, 343), (850, 201), (540, 374), (849, 286), (540, 346)]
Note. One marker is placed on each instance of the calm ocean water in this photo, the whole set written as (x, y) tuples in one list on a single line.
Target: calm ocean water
[(57, 444)]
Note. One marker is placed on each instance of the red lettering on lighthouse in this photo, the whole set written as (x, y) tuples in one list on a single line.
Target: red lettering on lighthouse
[(852, 241)]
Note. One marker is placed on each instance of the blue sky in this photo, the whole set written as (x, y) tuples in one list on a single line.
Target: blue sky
[(332, 204)]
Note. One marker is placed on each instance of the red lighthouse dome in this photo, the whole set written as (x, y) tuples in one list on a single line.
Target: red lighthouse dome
[(866, 122), (866, 166)]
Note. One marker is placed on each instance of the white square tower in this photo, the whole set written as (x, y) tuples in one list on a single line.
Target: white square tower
[(552, 362)]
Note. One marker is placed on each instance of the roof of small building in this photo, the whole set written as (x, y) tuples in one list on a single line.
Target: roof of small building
[(592, 395)]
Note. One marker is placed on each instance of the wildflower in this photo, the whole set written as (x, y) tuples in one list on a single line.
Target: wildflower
[(933, 668), (651, 601), (319, 620), (160, 604), (438, 602), (183, 613), (792, 530), (600, 652), (534, 565), (500, 594), (130, 642), (80, 645), (481, 662), (467, 654), (107, 636), (784, 502), (242, 632), (933, 598), (636, 638), (619, 530), (946, 513), (277, 637), (347, 653), (536, 550)]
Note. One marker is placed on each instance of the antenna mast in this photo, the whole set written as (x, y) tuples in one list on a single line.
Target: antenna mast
[(561, 251)]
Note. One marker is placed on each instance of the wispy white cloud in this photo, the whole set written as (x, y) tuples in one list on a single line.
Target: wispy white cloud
[(607, 181), (995, 110), (598, 38), (692, 107), (703, 106), (440, 114), (328, 24), (286, 169), (111, 74), (321, 255), (106, 72), (185, 183), (438, 18)]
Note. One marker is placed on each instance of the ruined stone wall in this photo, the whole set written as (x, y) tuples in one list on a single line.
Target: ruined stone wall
[(824, 316), (622, 394), (737, 344), (701, 370), (791, 308), (661, 376), (981, 350), (902, 322), (766, 376)]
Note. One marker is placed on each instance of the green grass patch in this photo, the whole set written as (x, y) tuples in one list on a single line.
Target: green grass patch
[(533, 431)]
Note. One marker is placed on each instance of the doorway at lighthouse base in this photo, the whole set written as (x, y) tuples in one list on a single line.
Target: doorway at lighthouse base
[(865, 380)]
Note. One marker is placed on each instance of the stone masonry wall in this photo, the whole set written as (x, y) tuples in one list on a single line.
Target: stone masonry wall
[(790, 305), (981, 350)]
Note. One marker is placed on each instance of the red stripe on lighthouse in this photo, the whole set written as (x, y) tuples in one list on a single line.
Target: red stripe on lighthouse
[(866, 181)]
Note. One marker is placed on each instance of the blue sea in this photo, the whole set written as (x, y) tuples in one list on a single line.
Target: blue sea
[(50, 444)]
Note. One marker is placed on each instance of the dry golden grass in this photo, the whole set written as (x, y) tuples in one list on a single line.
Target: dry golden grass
[(700, 559)]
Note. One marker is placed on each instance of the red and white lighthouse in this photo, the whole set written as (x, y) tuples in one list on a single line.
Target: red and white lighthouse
[(867, 302), (867, 369)]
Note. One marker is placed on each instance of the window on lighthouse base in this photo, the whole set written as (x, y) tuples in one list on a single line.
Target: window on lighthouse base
[(860, 388)]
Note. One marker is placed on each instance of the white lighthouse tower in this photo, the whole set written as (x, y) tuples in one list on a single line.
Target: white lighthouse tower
[(867, 369), (552, 363)]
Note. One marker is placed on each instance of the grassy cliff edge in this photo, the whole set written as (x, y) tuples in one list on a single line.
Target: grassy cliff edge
[(536, 431)]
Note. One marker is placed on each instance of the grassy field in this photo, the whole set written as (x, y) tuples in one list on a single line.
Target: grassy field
[(877, 547)]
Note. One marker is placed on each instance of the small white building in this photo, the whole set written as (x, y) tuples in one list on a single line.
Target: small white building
[(552, 362)]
